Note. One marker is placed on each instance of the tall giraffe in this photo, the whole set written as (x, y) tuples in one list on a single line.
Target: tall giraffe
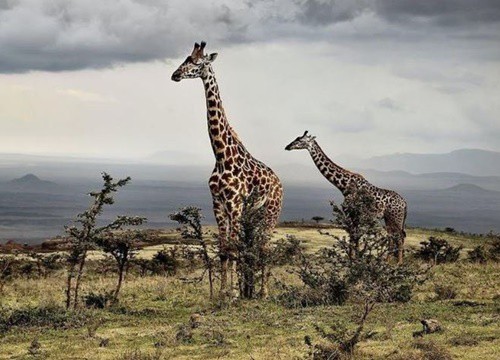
[(390, 205), (236, 175)]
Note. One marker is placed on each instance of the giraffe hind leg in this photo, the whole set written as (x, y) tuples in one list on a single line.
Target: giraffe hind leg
[(396, 238), (272, 217)]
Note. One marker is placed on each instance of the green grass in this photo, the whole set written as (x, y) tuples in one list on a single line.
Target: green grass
[(152, 311)]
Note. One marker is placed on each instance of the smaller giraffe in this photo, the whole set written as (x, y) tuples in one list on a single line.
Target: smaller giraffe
[(390, 205)]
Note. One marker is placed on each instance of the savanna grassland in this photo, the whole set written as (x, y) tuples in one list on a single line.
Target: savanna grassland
[(169, 317)]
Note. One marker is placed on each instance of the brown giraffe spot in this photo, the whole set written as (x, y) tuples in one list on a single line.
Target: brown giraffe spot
[(218, 144)]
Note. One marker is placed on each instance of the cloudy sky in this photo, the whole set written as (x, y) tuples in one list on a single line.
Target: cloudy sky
[(92, 78)]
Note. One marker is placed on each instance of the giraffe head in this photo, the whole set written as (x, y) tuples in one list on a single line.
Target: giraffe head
[(302, 142), (195, 64)]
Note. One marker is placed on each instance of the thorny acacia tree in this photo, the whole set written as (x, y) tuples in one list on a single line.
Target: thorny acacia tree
[(84, 235)]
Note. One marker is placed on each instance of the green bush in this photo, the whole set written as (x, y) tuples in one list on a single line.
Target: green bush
[(478, 255), (165, 262), (445, 292), (494, 252), (98, 300), (432, 351), (438, 251)]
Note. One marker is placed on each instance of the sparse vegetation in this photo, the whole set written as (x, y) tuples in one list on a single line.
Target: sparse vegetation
[(355, 269), (164, 315)]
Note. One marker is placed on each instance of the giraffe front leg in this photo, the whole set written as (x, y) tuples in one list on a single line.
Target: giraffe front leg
[(234, 210), (222, 224)]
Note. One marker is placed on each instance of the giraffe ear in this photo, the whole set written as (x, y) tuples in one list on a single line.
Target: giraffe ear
[(305, 133), (212, 57)]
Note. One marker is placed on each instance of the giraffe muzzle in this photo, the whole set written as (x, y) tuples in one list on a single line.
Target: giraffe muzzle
[(176, 77)]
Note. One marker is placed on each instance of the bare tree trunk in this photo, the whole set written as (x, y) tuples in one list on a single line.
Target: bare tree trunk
[(224, 262), (264, 290), (68, 285), (351, 343), (208, 266), (79, 278), (121, 268)]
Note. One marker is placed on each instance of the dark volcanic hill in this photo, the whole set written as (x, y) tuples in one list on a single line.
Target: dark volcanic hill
[(30, 179), (29, 183)]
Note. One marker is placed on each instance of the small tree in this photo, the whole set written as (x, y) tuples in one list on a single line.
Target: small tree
[(255, 255), (122, 246), (190, 218), (317, 219), (438, 251), (355, 268), (83, 237)]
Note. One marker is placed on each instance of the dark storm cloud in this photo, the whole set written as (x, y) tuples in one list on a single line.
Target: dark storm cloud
[(57, 35), (459, 13), (443, 12)]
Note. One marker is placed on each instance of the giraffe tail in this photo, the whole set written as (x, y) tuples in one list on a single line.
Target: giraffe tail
[(404, 222)]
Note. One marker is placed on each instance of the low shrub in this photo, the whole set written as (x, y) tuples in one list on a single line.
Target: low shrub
[(141, 355), (98, 300), (464, 340), (445, 292), (494, 252), (165, 262), (438, 251), (54, 317), (478, 255), (431, 351)]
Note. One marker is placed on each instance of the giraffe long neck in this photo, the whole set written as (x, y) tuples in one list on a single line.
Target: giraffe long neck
[(337, 175), (224, 140)]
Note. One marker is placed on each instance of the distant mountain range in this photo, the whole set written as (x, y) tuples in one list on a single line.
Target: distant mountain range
[(39, 195), (467, 161)]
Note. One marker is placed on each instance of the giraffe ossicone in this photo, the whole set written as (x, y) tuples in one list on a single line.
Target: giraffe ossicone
[(236, 174), (391, 207)]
